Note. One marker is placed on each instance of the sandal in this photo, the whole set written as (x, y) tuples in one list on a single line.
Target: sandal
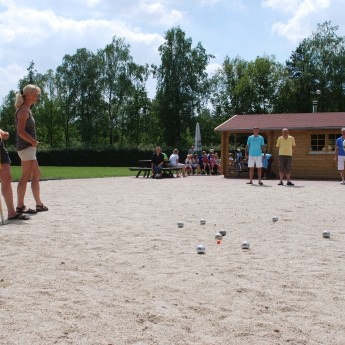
[(19, 216), (23, 209), (41, 208)]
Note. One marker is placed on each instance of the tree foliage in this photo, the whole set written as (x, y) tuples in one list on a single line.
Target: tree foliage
[(100, 99), (318, 63), (181, 84)]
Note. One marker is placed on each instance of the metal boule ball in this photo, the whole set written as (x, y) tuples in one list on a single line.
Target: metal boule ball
[(180, 224), (200, 249), (245, 245), (202, 221), (218, 236), (275, 219), (222, 232), (326, 234)]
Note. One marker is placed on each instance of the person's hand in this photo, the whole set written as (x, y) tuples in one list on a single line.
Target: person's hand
[(35, 144), (4, 135)]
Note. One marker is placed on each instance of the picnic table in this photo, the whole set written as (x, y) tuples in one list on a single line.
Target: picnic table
[(145, 169)]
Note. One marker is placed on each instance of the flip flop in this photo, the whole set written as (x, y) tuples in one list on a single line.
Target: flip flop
[(19, 216)]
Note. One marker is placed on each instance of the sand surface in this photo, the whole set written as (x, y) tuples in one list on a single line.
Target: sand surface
[(107, 264)]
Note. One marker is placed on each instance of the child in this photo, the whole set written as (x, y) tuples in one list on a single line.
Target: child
[(195, 164), (206, 163), (188, 163), (214, 164)]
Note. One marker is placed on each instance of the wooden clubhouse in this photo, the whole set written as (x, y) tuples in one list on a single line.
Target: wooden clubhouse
[(315, 135)]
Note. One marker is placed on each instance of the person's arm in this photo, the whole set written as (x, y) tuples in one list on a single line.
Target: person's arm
[(263, 149), (336, 151), (162, 162), (293, 145), (278, 143), (246, 152), (22, 116)]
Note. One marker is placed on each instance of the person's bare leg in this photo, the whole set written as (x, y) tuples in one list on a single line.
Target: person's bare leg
[(281, 175), (251, 175), (259, 174), (27, 167), (6, 189), (287, 177), (341, 172), (35, 183)]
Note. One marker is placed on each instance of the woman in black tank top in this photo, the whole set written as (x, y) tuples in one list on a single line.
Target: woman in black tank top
[(26, 148)]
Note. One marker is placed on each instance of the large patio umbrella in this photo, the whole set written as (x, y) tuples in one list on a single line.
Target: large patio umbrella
[(197, 144)]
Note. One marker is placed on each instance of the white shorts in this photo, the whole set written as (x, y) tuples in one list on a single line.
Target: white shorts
[(28, 154), (341, 161), (255, 161)]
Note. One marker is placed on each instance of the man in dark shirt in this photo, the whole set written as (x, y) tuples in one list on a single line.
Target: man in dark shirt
[(157, 162)]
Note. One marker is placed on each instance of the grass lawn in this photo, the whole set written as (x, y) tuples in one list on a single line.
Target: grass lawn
[(76, 172)]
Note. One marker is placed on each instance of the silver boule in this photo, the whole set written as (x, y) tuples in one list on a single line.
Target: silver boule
[(180, 224), (326, 234), (202, 221), (245, 245), (218, 236), (275, 219), (200, 249), (222, 232)]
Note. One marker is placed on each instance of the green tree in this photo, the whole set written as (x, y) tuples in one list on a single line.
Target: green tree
[(242, 87), (182, 84), (7, 111), (122, 85), (318, 63), (80, 74)]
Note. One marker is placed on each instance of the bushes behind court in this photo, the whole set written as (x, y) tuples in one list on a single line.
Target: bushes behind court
[(92, 157), (87, 157)]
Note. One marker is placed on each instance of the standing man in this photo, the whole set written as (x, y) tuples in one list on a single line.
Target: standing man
[(157, 162), (340, 154), (191, 151), (255, 147), (285, 143)]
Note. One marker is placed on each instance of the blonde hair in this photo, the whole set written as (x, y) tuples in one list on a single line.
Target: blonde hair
[(27, 90)]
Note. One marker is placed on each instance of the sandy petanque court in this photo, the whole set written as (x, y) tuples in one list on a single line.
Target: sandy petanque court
[(108, 265)]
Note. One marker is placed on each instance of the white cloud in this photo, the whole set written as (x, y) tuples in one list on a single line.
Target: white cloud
[(42, 36), (9, 77), (158, 13), (301, 15), (212, 68), (92, 3)]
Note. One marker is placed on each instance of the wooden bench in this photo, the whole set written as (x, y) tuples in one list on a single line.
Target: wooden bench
[(146, 171)]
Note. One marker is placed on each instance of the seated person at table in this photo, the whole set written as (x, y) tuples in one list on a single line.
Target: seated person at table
[(213, 164), (195, 164), (166, 160), (173, 162), (189, 163), (205, 164), (239, 155), (218, 162), (157, 162)]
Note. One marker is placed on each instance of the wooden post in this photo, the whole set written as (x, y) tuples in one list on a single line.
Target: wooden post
[(225, 152)]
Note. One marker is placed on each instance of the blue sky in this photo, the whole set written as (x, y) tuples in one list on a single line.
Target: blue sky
[(44, 31)]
